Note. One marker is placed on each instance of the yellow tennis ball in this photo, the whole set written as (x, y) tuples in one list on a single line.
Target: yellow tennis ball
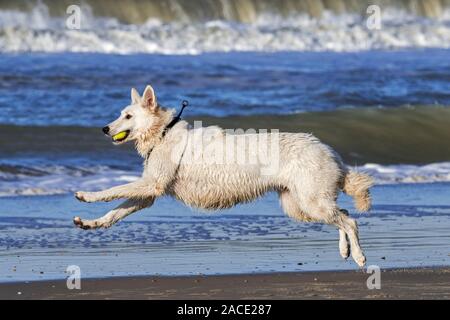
[(120, 135)]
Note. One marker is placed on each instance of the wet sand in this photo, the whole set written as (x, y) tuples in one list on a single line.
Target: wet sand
[(408, 228), (423, 283)]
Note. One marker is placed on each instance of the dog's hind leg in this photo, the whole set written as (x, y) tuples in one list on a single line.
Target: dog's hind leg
[(344, 245), (291, 206), (321, 206), (122, 211), (139, 189), (343, 221)]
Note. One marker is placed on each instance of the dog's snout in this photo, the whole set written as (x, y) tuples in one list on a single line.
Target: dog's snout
[(105, 130)]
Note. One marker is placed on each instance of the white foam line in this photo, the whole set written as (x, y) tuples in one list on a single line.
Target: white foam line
[(396, 174), (61, 181), (38, 31)]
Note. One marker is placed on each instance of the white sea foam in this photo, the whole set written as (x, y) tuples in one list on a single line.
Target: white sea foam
[(55, 179), (395, 174), (38, 31), (58, 179)]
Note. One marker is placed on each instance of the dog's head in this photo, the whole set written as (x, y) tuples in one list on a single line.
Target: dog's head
[(136, 119)]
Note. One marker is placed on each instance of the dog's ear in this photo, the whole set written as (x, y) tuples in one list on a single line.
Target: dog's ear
[(135, 97), (149, 99)]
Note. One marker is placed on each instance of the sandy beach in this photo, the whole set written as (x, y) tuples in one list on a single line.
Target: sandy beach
[(422, 283)]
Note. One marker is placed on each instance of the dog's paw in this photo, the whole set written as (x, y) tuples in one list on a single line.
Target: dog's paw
[(84, 196), (79, 223), (91, 224), (360, 260), (344, 250), (80, 196)]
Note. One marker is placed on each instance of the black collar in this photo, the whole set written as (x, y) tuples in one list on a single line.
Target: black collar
[(172, 123), (175, 120)]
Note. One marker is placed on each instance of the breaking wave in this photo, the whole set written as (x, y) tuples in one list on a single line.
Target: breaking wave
[(360, 135), (181, 28)]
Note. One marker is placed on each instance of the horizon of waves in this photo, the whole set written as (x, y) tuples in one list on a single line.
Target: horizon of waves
[(288, 26)]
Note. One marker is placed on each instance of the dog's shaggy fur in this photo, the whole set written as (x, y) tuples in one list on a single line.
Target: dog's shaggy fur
[(308, 178)]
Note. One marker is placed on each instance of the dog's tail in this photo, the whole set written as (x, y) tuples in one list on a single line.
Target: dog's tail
[(357, 185)]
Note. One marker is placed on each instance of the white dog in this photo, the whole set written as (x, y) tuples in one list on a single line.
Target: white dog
[(186, 164)]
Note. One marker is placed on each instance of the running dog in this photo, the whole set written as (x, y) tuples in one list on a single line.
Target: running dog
[(185, 163)]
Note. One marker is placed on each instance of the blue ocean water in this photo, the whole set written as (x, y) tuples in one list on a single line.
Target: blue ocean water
[(91, 89)]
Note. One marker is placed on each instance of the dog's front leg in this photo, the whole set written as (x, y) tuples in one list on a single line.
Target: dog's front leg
[(140, 189), (125, 209)]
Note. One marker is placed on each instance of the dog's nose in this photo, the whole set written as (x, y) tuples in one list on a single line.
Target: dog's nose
[(105, 130)]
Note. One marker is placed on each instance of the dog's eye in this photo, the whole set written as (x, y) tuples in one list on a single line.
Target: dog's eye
[(128, 116)]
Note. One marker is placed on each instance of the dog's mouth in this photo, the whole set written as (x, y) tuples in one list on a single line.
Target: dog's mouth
[(121, 136)]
